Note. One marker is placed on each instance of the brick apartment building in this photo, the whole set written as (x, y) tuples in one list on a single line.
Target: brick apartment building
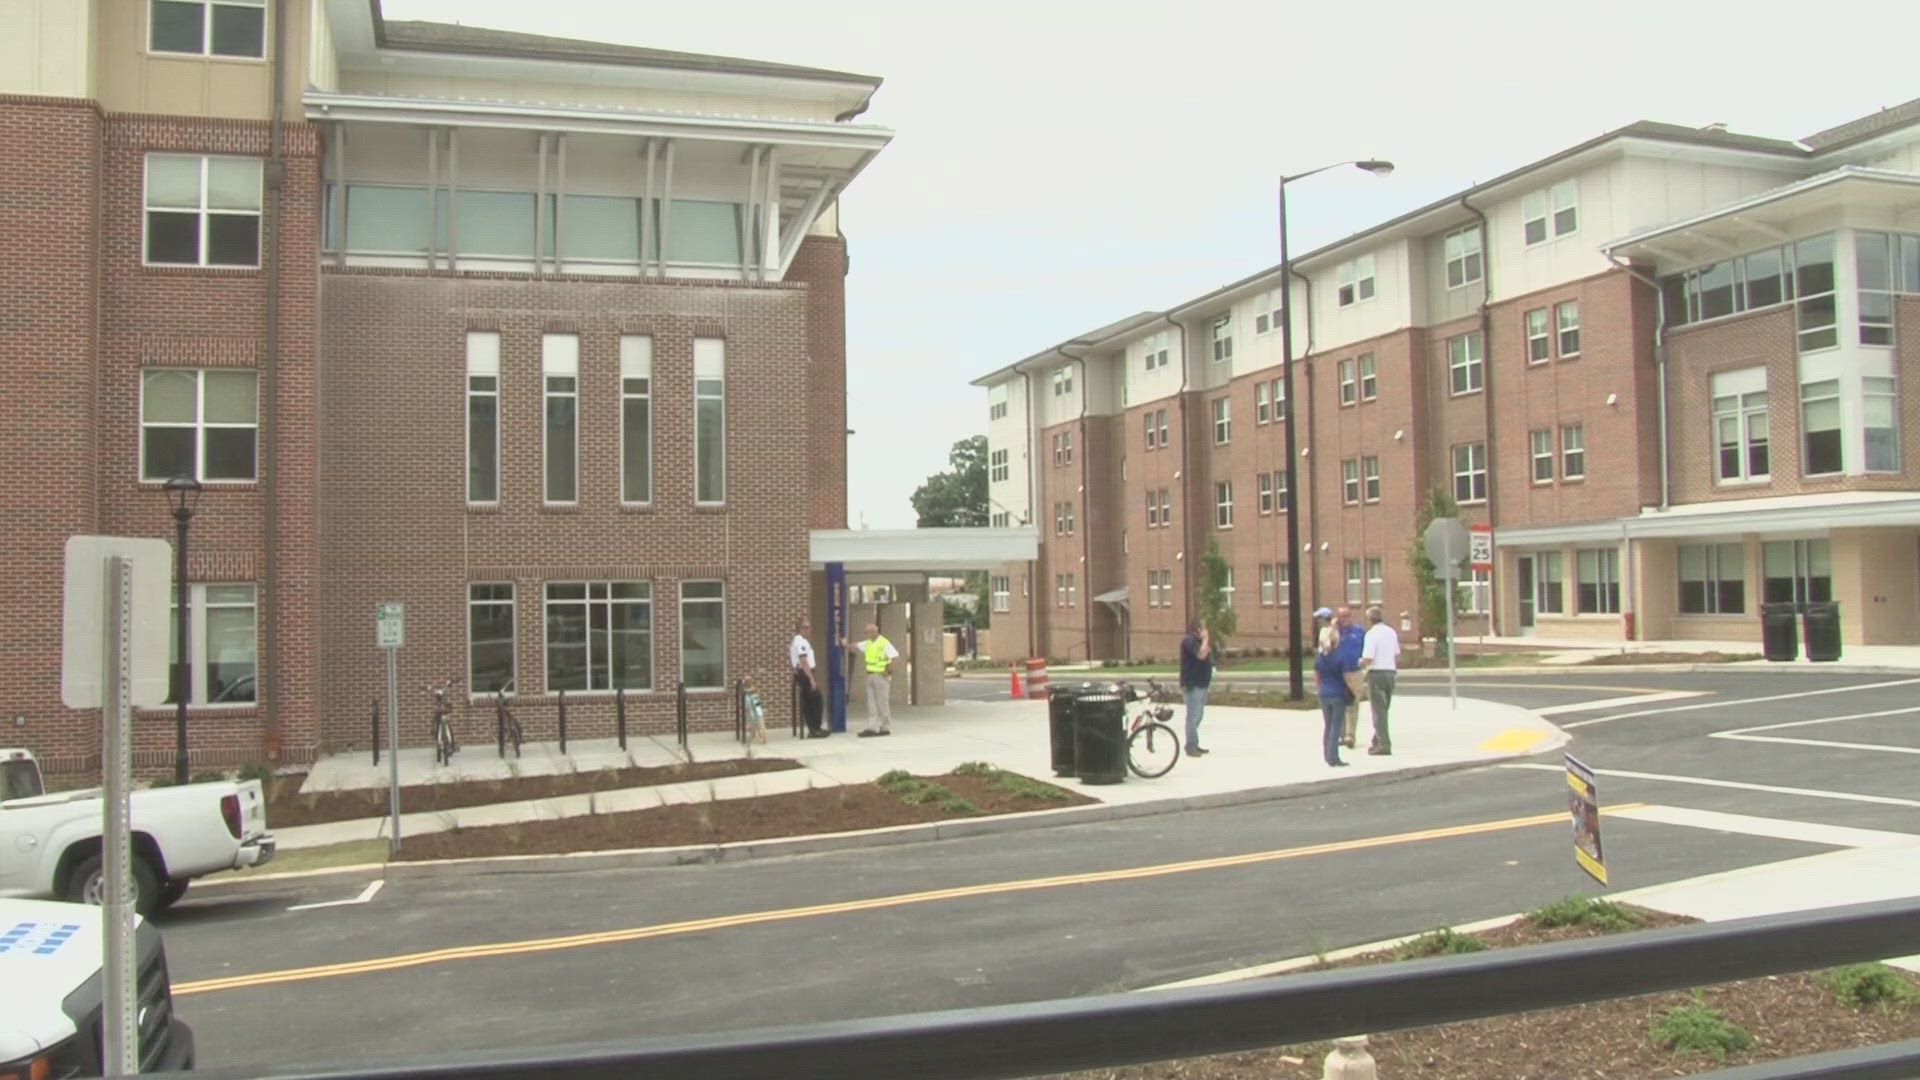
[(1669, 365), (543, 338)]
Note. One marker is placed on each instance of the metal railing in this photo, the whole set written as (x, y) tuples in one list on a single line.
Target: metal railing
[(1007, 1041)]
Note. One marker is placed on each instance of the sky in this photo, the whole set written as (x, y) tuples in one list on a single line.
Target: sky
[(1058, 165)]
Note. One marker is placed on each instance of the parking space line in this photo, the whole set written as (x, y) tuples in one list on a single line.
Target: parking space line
[(366, 894), (1702, 781), (1617, 702), (1775, 828), (1747, 734), (1742, 701)]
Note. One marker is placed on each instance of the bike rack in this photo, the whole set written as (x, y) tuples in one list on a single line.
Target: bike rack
[(620, 715), (563, 722)]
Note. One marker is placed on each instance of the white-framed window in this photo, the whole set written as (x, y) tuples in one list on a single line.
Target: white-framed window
[(1227, 590), (483, 417), (997, 468), (1369, 376), (1066, 590), (1059, 590), (1556, 209), (1880, 416), (1549, 592), (1283, 575), (1156, 351), (1268, 594), (1002, 593), (1540, 444), (1153, 509), (223, 633), (1161, 416), (1001, 519), (703, 634), (636, 419), (1066, 447), (1713, 579), (1279, 396), (1567, 316), (1223, 504), (1740, 426), (1820, 431), (1153, 588), (1268, 311), (1462, 248), (1349, 383), (1262, 406), (227, 28), (202, 210), (599, 635), (1370, 478), (1354, 281), (1063, 380), (490, 636), (1884, 264), (560, 440), (1466, 371), (1356, 585), (1813, 284), (200, 422), (1222, 421), (1796, 571), (1223, 338), (1281, 500), (1264, 484), (1539, 338), (1151, 428), (1597, 581), (709, 421), (1376, 579), (1573, 451), (1350, 482), (1068, 507), (1166, 507), (1478, 592), (997, 401), (1470, 472)]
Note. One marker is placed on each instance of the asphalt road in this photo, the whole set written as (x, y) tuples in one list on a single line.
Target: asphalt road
[(1146, 901)]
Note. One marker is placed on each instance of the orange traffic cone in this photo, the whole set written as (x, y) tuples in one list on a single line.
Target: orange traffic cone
[(1016, 682)]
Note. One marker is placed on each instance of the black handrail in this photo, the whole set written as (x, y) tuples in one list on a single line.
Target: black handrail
[(563, 722), (620, 715), (1103, 1032), (680, 711)]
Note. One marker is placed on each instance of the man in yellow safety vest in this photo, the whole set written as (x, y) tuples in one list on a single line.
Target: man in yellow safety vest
[(878, 654)]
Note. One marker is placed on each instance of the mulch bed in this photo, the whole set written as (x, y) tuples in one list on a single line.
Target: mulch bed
[(287, 807), (1788, 1016), (800, 813), (1671, 658)]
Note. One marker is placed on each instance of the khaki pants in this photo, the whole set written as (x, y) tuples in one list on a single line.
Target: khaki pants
[(1356, 690), (879, 701)]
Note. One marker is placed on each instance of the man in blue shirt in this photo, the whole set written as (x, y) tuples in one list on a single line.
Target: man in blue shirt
[(1196, 675), (1353, 641)]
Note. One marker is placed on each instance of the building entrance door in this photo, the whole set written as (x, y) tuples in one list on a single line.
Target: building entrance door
[(1524, 592)]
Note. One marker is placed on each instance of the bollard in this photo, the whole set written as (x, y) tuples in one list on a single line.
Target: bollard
[(680, 711), (620, 715), (793, 706), (740, 710), (500, 723), (376, 731), (1349, 1060), (563, 723)]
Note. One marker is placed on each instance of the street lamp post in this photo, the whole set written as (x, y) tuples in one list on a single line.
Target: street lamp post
[(183, 494), (1296, 681)]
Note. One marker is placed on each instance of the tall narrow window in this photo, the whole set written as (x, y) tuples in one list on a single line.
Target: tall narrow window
[(636, 419), (1820, 425), (1166, 507), (710, 420), (1151, 429), (1565, 197), (203, 211), (1464, 365), (1539, 342), (1370, 478), (1266, 585), (198, 423), (560, 367), (1880, 413), (1349, 383), (1598, 591), (1222, 421), (1350, 481), (1463, 256), (1279, 401), (1873, 262), (1223, 338), (1479, 592), (703, 634), (1162, 416), (1541, 442), (1369, 377), (1153, 509), (224, 633), (1549, 591), (1813, 286), (1262, 409), (1264, 482), (1573, 451), (483, 416), (1376, 580), (1740, 425), (1226, 590), (1356, 585), (1470, 472), (489, 636), (1568, 316), (1282, 501), (1223, 504), (997, 401)]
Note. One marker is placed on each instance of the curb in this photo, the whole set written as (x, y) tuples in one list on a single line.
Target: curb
[(740, 851), (1281, 967), (1748, 666)]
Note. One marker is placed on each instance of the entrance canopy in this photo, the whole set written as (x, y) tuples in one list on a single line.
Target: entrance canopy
[(878, 555)]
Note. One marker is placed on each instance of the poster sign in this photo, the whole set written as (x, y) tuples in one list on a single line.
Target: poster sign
[(835, 630), (1583, 800), (1480, 547)]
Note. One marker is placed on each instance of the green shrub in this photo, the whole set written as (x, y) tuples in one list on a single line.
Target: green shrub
[(1694, 1028), (975, 768), (1865, 985), (1442, 942), (895, 778), (256, 770), (954, 804), (208, 777), (1578, 910)]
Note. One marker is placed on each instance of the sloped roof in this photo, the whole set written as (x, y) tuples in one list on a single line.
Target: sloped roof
[(476, 40), (1865, 127), (1707, 136)]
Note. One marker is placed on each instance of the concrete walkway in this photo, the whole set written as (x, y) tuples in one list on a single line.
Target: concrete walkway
[(1254, 753)]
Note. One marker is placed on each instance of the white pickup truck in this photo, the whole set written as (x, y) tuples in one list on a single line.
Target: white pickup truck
[(50, 844)]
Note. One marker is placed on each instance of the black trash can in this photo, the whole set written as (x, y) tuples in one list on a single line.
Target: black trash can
[(1100, 736), (1779, 634), (1060, 736), (1823, 630)]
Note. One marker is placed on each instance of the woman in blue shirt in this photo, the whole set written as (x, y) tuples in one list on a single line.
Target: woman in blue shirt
[(1330, 680)]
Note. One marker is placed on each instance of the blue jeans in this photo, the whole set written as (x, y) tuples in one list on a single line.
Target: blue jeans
[(1333, 715), (1196, 707)]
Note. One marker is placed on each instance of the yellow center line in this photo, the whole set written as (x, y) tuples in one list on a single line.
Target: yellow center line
[(752, 918)]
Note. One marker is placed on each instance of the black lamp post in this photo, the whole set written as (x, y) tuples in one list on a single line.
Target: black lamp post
[(1296, 681), (183, 494)]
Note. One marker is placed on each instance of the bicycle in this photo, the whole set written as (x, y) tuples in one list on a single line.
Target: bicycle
[(444, 744), (1153, 748), (506, 724)]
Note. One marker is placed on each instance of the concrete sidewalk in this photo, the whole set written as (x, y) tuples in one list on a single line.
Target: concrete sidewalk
[(1254, 754)]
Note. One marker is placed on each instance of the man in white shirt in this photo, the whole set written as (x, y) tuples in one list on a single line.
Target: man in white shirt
[(1380, 659), (877, 655), (806, 680)]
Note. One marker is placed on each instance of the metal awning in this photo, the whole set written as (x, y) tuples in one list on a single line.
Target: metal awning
[(1116, 597), (923, 551)]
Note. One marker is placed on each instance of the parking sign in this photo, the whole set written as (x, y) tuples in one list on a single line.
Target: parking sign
[(390, 625)]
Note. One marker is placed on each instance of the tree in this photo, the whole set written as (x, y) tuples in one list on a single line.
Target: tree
[(958, 496), (1433, 591), (1216, 614)]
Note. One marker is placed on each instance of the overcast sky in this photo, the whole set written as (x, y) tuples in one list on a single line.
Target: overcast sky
[(1059, 165)]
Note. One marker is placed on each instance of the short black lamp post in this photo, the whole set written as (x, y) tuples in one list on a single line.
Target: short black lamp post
[(183, 494)]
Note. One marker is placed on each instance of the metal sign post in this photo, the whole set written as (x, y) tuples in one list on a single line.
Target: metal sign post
[(1446, 542), (390, 633)]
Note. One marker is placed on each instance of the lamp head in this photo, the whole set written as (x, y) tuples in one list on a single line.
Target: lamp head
[(183, 494), (1377, 168)]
